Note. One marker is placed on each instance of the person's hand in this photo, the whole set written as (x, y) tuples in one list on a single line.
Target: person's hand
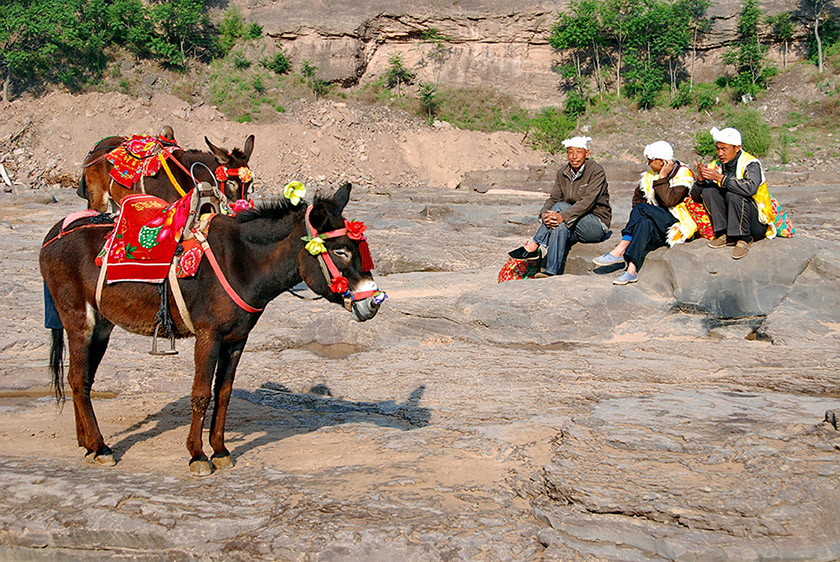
[(552, 219), (712, 174), (667, 168)]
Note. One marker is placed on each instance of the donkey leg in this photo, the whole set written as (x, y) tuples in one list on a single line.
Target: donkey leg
[(225, 372), (207, 347), (87, 347)]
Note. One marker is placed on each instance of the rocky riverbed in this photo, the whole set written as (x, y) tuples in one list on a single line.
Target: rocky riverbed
[(680, 418)]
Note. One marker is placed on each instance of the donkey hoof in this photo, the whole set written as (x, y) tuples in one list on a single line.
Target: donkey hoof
[(200, 468), (222, 462), (105, 459)]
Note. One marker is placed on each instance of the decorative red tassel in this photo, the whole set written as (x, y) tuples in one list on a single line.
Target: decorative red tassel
[(364, 252)]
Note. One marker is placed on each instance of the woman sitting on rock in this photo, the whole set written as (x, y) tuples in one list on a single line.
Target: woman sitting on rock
[(659, 215)]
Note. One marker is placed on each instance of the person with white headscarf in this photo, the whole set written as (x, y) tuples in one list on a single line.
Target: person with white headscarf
[(734, 191), (577, 210), (659, 215)]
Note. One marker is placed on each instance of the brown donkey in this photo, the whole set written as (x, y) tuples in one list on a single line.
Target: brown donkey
[(98, 187), (259, 253)]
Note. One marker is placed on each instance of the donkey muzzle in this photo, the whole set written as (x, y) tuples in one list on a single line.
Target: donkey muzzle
[(364, 309)]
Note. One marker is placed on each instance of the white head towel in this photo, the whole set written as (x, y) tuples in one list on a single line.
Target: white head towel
[(726, 136), (577, 142), (659, 149)]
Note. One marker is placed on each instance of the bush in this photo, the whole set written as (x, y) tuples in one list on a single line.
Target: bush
[(682, 97), (755, 132), (706, 96), (575, 104), (279, 63), (481, 109), (548, 129)]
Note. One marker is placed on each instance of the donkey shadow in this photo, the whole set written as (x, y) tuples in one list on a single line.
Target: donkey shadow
[(297, 413)]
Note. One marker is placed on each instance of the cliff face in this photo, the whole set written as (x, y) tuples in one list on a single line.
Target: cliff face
[(495, 42)]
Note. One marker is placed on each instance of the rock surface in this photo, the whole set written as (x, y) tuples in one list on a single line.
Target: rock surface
[(556, 419)]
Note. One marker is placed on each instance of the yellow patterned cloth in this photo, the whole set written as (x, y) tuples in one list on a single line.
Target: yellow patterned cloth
[(685, 227)]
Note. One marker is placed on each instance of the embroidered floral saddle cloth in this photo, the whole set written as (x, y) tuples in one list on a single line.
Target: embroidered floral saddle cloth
[(140, 155), (145, 238)]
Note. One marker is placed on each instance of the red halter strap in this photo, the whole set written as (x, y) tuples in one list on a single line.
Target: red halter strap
[(331, 272)]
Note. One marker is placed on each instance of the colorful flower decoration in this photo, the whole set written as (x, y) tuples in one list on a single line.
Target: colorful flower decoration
[(339, 285), (242, 205), (221, 173), (379, 297), (294, 192), (189, 261), (246, 175), (355, 229), (315, 245)]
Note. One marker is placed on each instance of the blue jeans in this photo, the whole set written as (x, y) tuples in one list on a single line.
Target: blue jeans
[(557, 241)]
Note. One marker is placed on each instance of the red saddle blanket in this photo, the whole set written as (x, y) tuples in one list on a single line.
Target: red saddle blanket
[(138, 156), (143, 242)]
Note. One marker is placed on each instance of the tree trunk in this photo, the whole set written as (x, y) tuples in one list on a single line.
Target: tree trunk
[(819, 41), (618, 73), (693, 58), (598, 69)]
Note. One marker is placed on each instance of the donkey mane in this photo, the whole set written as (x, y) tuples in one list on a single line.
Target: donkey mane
[(273, 210)]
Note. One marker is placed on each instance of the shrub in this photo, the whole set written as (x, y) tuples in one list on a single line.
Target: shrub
[(704, 145), (706, 96), (279, 63), (575, 104), (481, 109), (755, 131), (548, 129)]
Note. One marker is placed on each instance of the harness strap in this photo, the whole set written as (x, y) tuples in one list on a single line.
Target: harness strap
[(221, 276), (179, 298), (171, 177), (100, 282)]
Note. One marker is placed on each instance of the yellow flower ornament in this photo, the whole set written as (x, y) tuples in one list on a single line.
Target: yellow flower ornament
[(294, 192), (315, 246)]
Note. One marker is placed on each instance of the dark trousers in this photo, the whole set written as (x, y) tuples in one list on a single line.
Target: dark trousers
[(733, 215), (51, 319), (648, 228)]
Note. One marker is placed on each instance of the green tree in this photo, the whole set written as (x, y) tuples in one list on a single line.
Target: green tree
[(439, 51), (749, 58), (397, 73), (183, 27), (782, 32), (579, 32), (617, 18), (699, 23), (428, 95)]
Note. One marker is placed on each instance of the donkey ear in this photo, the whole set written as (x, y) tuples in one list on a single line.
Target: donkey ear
[(249, 147), (222, 157), (341, 197)]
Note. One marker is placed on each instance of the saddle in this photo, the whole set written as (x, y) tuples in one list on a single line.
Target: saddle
[(139, 156), (145, 240)]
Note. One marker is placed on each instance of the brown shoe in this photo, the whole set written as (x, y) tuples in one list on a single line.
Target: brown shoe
[(740, 250), (542, 275), (718, 242)]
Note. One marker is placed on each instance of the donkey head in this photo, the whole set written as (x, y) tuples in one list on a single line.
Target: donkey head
[(336, 262), (233, 174)]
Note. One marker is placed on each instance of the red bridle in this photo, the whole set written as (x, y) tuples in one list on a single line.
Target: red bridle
[(244, 174), (338, 283)]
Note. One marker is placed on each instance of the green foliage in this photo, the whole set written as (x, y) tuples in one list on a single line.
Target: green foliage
[(704, 145), (548, 128), (682, 97), (279, 63), (428, 95), (785, 140), (575, 104), (481, 109), (705, 96), (240, 93), (397, 73), (307, 70), (756, 136), (233, 27), (829, 35), (752, 69), (755, 131), (240, 61)]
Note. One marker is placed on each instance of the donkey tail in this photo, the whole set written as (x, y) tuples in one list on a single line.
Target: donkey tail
[(57, 363)]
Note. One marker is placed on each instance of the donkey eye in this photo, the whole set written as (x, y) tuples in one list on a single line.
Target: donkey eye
[(342, 253)]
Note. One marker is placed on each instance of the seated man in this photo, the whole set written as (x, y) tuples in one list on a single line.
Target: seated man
[(577, 209), (658, 217), (734, 191)]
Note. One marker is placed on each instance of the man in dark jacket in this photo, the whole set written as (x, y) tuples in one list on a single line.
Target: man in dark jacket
[(577, 209)]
